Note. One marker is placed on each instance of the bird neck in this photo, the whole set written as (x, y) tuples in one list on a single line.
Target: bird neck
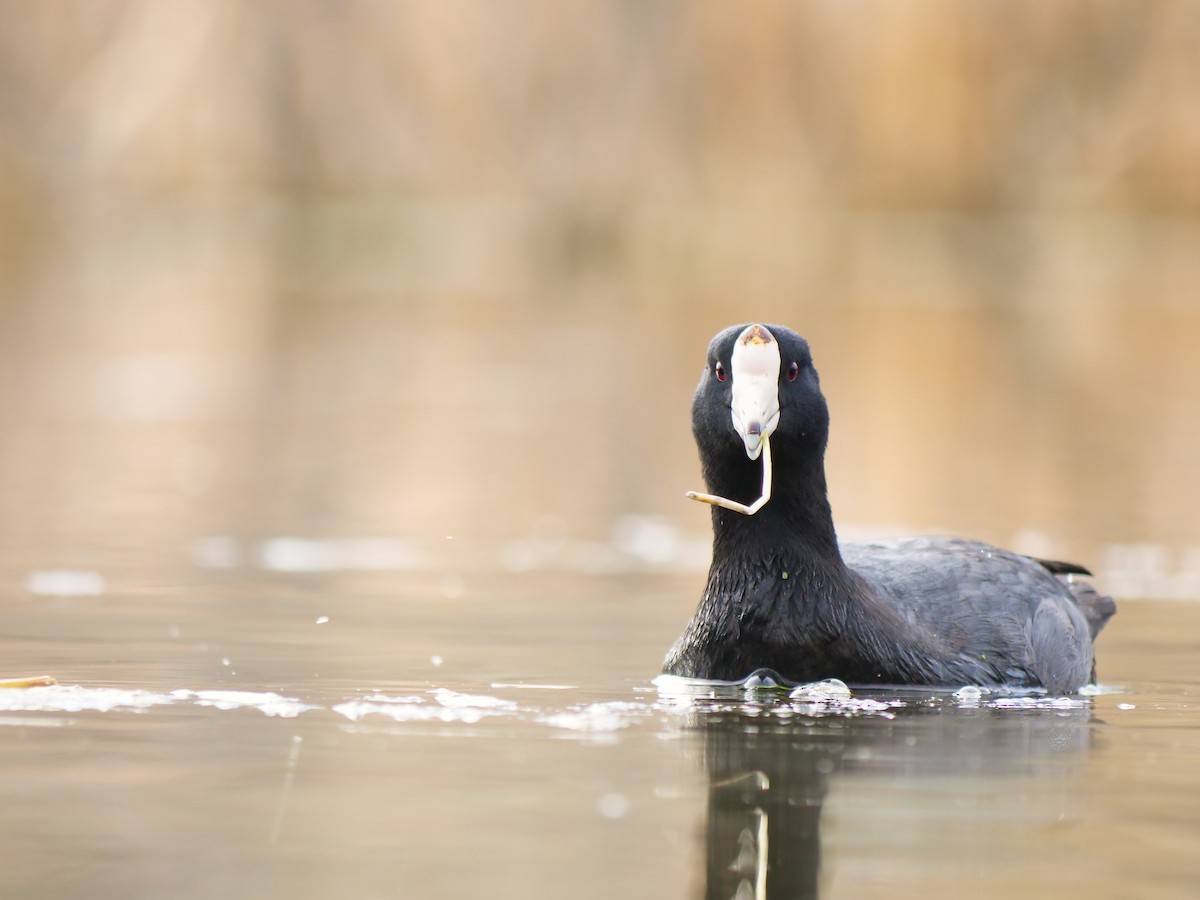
[(796, 524)]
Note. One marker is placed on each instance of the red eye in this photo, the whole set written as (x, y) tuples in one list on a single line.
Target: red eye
[(793, 372), (719, 371)]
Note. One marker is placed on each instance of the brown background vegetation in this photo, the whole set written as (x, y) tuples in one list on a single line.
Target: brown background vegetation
[(448, 268)]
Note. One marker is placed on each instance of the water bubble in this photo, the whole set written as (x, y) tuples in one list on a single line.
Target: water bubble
[(64, 583), (829, 689), (868, 705), (613, 806), (651, 539), (296, 554)]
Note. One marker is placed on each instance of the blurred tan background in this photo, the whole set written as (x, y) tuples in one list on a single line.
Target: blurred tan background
[(410, 271)]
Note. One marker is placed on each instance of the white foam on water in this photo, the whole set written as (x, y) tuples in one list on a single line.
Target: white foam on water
[(847, 706), (380, 704), (831, 689), (457, 700), (531, 686), (300, 555), (74, 698), (1099, 690), (268, 703), (415, 709), (438, 705), (64, 583), (601, 720), (1039, 703), (677, 684), (681, 690), (596, 718)]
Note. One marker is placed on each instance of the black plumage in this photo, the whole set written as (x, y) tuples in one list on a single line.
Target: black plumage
[(782, 594)]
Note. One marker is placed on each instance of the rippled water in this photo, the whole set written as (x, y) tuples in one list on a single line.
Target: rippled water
[(373, 734)]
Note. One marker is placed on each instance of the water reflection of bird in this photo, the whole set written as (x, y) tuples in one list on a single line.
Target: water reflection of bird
[(769, 775), (783, 595)]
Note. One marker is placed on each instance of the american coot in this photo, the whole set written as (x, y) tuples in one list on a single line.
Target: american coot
[(783, 595)]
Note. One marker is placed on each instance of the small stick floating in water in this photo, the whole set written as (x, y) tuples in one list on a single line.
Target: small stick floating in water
[(28, 681), (742, 507)]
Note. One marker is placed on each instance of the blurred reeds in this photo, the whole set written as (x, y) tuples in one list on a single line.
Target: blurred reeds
[(431, 267)]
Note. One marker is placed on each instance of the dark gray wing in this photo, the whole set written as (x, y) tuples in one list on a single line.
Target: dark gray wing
[(1001, 617)]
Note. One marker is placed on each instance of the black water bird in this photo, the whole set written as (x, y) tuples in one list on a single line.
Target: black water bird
[(784, 595)]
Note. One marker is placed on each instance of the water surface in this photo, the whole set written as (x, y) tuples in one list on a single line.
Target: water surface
[(394, 734)]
